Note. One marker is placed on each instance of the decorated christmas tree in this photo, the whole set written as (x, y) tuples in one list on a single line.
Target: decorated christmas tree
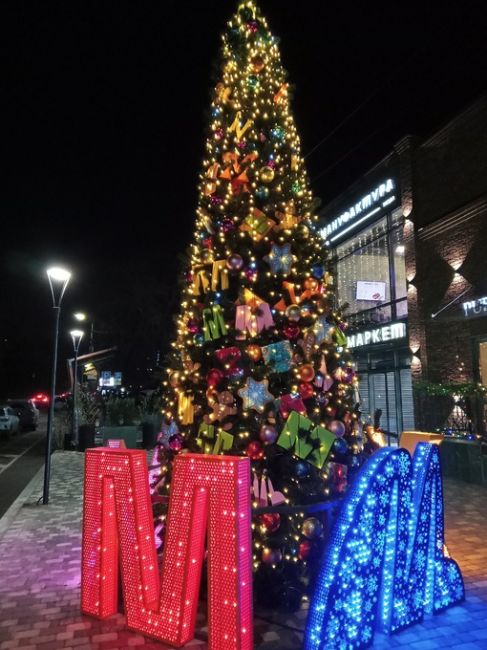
[(259, 365)]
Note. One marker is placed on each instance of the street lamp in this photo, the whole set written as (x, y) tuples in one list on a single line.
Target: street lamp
[(76, 335), (58, 281)]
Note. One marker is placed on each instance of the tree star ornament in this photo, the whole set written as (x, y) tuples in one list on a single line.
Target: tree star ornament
[(255, 394), (280, 259)]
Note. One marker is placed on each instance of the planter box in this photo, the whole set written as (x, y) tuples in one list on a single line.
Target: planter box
[(126, 433), (464, 460)]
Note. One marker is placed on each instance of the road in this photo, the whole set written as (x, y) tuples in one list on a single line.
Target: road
[(21, 456)]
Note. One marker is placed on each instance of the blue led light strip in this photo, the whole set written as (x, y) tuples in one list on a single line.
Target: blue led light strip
[(385, 564)]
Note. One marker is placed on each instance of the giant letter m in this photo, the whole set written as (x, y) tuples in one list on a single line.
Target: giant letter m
[(208, 493)]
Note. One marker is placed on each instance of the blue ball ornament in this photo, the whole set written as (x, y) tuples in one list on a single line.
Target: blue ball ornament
[(252, 81), (198, 339), (277, 134), (317, 271), (262, 193), (301, 469), (340, 446)]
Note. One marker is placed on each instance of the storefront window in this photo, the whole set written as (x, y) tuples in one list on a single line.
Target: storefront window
[(371, 274)]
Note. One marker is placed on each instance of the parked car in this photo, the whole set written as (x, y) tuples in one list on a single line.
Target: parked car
[(27, 412), (9, 422)]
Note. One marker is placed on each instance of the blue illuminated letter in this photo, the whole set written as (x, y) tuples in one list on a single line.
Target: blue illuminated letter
[(385, 564)]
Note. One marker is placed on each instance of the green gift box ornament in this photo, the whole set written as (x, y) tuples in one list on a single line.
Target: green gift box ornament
[(207, 433), (308, 442)]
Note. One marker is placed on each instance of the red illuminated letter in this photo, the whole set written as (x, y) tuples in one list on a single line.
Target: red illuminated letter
[(207, 493)]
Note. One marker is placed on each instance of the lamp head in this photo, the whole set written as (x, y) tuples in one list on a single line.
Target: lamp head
[(58, 281), (76, 335)]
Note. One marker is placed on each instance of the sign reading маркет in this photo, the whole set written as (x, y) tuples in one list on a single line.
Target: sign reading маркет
[(381, 334)]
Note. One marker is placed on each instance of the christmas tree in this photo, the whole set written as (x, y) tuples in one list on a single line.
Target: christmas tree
[(259, 366)]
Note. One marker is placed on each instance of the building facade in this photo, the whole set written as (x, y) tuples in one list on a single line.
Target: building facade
[(408, 242)]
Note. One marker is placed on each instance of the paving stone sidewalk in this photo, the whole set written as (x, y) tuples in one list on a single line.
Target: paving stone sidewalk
[(40, 580)]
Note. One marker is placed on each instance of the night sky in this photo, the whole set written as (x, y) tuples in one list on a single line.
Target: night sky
[(104, 113)]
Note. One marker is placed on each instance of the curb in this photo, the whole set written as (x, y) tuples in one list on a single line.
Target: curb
[(13, 510)]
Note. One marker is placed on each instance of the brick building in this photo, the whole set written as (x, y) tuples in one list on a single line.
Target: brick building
[(409, 242)]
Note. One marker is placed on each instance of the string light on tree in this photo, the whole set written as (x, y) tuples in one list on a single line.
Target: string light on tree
[(256, 321)]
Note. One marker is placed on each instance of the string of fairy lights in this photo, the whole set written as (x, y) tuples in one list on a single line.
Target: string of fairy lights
[(258, 333)]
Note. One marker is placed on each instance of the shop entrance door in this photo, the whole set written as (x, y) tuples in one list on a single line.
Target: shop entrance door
[(382, 396), (391, 392)]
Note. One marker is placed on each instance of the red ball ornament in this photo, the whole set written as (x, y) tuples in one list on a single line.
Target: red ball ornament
[(270, 521), (254, 450), (306, 390), (291, 331), (305, 549), (214, 377), (306, 372)]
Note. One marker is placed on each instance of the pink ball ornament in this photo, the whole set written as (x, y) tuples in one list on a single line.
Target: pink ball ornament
[(214, 377), (251, 274), (234, 262), (193, 326), (175, 442), (227, 225), (337, 427), (268, 434)]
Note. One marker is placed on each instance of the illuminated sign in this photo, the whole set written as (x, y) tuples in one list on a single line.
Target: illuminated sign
[(473, 308), (370, 204), (209, 494), (385, 565), (381, 334), (108, 379)]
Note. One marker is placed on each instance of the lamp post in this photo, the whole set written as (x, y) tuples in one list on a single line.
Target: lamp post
[(58, 281), (76, 335)]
